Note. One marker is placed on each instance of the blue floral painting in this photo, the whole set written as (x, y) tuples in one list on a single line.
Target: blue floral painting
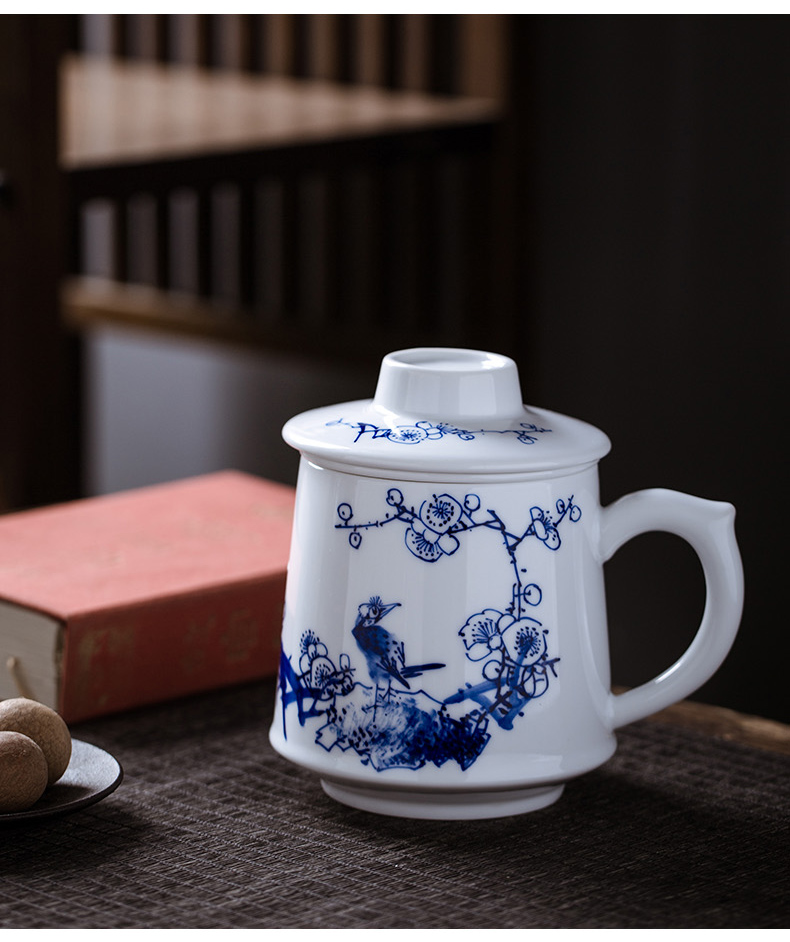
[(375, 701), (525, 432)]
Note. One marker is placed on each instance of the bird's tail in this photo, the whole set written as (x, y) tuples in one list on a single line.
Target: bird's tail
[(417, 670)]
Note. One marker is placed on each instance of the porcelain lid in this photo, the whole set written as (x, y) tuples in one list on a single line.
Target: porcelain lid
[(440, 410)]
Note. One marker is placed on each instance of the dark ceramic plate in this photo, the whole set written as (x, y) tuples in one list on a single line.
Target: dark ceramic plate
[(92, 775)]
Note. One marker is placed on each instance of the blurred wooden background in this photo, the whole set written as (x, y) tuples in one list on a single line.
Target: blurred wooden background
[(602, 197)]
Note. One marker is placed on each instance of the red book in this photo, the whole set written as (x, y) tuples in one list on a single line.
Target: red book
[(115, 602)]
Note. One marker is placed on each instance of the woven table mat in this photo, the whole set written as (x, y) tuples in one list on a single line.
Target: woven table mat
[(211, 829)]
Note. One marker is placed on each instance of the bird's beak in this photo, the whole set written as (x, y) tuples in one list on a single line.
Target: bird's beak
[(388, 608)]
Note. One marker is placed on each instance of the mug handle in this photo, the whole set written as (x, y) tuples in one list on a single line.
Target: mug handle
[(709, 527)]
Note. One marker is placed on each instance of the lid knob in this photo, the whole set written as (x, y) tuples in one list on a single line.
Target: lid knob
[(449, 384)]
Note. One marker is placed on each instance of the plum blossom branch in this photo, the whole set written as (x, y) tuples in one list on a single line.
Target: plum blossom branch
[(525, 432)]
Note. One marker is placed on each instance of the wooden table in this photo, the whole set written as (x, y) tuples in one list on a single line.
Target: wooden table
[(730, 725), (686, 826)]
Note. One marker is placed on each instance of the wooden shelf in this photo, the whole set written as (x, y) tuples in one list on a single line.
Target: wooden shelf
[(130, 112), (357, 180)]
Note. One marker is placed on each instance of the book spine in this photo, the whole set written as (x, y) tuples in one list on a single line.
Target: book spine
[(125, 658)]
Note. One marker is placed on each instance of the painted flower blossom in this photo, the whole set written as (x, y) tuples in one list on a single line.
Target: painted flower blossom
[(544, 529), (321, 677), (512, 646), (321, 671), (429, 535), (394, 497), (407, 434), (481, 634), (523, 639), (311, 648)]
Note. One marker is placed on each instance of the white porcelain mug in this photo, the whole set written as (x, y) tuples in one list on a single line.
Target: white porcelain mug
[(444, 647)]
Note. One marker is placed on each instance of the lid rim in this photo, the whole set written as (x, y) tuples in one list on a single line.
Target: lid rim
[(446, 476), (412, 444)]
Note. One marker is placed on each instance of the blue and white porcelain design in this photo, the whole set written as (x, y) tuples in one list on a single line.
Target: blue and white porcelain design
[(367, 699), (444, 642), (527, 433)]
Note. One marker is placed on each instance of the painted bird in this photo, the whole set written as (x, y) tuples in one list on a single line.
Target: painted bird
[(383, 652)]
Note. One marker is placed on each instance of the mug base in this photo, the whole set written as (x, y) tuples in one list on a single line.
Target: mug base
[(444, 806)]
